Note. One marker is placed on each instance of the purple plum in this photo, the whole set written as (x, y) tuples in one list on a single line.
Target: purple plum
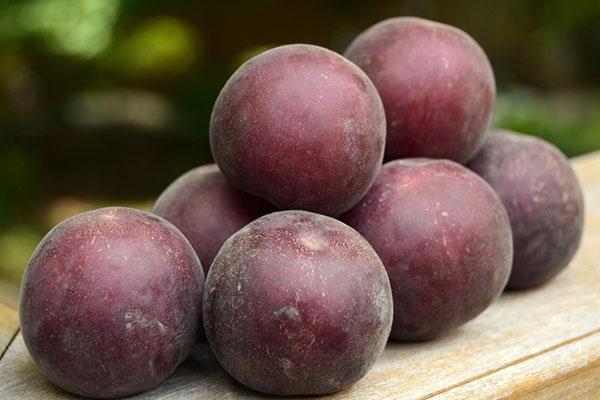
[(436, 84), (444, 238), (300, 126), (297, 303), (208, 209), (111, 302), (544, 202)]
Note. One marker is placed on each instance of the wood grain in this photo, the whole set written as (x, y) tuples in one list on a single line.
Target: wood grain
[(9, 324), (542, 343)]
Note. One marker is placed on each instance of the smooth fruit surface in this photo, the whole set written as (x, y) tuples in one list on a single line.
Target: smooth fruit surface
[(208, 209), (544, 202), (444, 238), (300, 126), (436, 84)]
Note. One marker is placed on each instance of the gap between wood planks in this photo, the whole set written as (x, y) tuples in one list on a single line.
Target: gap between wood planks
[(509, 364)]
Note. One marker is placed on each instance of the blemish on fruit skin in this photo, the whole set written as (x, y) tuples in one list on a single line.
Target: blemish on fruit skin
[(349, 126), (287, 367), (311, 240), (289, 312), (136, 318)]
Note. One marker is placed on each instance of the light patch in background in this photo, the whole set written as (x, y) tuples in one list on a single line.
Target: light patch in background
[(16, 246), (81, 28), (131, 107), (160, 47)]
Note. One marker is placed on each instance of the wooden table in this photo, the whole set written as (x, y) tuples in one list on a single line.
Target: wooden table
[(537, 344)]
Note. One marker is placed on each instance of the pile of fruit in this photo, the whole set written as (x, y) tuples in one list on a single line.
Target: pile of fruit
[(303, 301)]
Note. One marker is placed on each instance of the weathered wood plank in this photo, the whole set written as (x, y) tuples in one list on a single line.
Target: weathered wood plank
[(569, 370), (9, 324), (537, 344)]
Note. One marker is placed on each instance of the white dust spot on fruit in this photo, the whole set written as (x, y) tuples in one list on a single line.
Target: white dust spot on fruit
[(445, 63), (151, 367), (287, 366), (444, 214), (310, 240), (239, 286), (288, 311), (381, 301), (348, 126), (139, 319), (102, 364), (110, 215)]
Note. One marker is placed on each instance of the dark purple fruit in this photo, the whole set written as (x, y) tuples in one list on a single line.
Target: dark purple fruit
[(297, 303), (111, 302), (444, 238), (544, 202), (300, 126), (436, 84), (208, 209)]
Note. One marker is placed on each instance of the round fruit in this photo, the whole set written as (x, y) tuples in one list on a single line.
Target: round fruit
[(436, 84), (544, 202), (300, 126), (111, 302), (444, 238), (208, 209), (297, 303)]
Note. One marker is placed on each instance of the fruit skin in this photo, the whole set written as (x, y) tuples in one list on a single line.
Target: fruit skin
[(444, 238), (297, 303), (436, 84), (208, 209), (110, 302), (544, 202), (300, 126)]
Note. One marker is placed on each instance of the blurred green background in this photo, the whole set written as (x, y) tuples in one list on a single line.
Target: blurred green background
[(104, 102)]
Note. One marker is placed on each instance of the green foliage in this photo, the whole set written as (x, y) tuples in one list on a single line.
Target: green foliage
[(80, 28), (571, 122), (17, 179), (16, 246), (157, 47)]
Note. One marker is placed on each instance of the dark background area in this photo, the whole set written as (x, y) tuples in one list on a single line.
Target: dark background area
[(105, 102)]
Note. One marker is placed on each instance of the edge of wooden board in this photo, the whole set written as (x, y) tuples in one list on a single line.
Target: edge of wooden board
[(9, 326), (549, 374)]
